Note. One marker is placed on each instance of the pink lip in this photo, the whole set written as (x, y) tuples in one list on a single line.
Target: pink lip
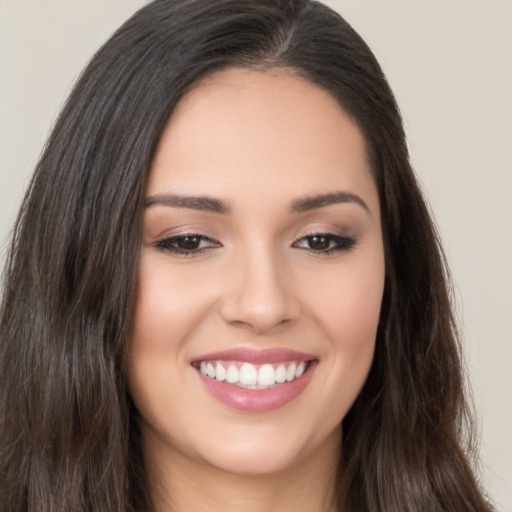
[(257, 400), (250, 355)]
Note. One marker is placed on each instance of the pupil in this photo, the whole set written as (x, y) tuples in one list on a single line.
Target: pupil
[(189, 243), (319, 243)]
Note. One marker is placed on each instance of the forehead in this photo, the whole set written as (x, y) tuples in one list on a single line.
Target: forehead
[(259, 131)]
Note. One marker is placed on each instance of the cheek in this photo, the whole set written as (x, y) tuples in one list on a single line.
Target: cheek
[(346, 304), (168, 307), (169, 304), (348, 301)]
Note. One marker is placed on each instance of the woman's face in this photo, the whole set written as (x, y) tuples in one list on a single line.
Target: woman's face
[(261, 277)]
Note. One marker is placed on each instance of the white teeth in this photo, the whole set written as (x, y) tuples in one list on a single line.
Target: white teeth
[(280, 373), (290, 372), (232, 374), (300, 369), (210, 370), (251, 376), (220, 372), (266, 375), (248, 374)]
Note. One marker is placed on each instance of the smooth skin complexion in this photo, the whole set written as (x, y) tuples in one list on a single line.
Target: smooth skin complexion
[(261, 231)]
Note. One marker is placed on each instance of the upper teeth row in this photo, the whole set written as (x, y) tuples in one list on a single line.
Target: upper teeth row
[(248, 375)]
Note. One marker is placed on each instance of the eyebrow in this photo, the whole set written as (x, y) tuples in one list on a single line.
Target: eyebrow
[(202, 203), (210, 204), (319, 201)]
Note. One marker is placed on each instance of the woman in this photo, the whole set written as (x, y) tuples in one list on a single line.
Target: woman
[(225, 289)]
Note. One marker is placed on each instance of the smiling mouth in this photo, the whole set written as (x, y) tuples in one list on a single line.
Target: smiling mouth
[(252, 376)]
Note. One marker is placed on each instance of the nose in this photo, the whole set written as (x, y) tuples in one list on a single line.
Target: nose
[(260, 295)]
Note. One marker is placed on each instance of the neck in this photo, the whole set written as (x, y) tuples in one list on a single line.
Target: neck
[(181, 484)]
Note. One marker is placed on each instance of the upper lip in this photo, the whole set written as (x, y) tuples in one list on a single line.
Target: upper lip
[(255, 356)]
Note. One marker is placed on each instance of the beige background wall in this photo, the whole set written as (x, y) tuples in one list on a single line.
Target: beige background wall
[(449, 63)]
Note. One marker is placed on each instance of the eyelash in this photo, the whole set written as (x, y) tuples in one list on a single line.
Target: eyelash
[(342, 243), (169, 244)]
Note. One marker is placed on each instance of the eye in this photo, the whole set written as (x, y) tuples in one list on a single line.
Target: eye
[(325, 243), (186, 244)]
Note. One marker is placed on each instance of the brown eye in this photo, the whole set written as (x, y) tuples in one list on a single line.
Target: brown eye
[(319, 242), (188, 243)]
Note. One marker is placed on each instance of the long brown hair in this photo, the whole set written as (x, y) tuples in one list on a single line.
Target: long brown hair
[(68, 430)]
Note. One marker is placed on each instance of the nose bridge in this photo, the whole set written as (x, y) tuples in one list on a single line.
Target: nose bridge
[(260, 295)]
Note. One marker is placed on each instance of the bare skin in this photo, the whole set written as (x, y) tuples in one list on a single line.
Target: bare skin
[(261, 232), (192, 487)]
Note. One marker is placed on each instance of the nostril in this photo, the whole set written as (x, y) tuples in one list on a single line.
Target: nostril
[(257, 325)]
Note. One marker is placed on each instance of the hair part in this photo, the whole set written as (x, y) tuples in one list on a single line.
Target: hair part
[(69, 438)]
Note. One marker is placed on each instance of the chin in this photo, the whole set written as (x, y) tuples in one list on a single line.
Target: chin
[(265, 450), (244, 460)]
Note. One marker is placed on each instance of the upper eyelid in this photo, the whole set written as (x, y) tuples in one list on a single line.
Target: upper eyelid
[(180, 234), (337, 233), (187, 233), (316, 232), (334, 236), (177, 236)]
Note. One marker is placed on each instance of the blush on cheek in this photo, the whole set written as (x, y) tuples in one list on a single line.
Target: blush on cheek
[(163, 317), (354, 314)]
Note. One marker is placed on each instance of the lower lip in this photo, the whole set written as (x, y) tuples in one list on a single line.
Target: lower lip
[(257, 400)]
